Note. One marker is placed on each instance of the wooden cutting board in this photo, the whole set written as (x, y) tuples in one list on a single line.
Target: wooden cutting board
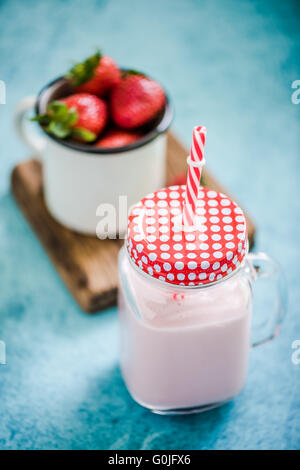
[(87, 265)]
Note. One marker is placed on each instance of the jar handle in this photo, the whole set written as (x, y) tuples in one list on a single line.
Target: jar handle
[(261, 266), (123, 280)]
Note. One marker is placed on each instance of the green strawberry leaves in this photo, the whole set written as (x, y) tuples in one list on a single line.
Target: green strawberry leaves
[(60, 120), (84, 134), (82, 72), (59, 112), (126, 73), (58, 129)]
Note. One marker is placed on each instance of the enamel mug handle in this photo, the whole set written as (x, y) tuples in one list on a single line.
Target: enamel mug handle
[(30, 137), (262, 268)]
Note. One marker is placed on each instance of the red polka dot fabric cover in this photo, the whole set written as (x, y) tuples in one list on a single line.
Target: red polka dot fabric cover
[(158, 244)]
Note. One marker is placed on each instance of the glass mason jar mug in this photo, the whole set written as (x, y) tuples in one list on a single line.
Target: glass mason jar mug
[(185, 305)]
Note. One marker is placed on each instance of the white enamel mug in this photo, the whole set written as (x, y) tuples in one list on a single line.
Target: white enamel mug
[(79, 178)]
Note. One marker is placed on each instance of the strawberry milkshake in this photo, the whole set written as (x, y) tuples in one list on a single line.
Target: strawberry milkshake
[(185, 297), (184, 302)]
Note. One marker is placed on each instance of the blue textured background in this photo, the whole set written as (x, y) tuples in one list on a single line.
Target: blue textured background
[(228, 65)]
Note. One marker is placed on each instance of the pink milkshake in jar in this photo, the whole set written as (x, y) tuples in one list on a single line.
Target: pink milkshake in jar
[(185, 299)]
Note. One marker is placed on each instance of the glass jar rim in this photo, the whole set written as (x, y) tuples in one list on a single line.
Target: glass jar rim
[(184, 287)]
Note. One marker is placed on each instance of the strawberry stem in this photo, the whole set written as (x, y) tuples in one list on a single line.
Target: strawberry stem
[(84, 134), (83, 71), (60, 121), (128, 72)]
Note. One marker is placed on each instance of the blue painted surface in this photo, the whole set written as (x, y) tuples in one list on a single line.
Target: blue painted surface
[(228, 65)]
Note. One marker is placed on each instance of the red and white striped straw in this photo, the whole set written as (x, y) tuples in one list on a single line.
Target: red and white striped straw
[(195, 162)]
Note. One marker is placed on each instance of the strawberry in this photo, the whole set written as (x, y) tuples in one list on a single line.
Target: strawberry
[(80, 116), (179, 179), (136, 100), (96, 75), (117, 138)]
